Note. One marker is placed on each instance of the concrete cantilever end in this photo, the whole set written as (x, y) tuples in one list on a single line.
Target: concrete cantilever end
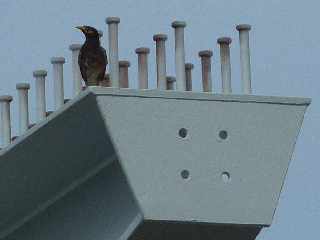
[(100, 173)]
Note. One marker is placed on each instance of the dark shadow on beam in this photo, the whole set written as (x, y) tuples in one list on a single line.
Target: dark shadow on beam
[(69, 157), (163, 230)]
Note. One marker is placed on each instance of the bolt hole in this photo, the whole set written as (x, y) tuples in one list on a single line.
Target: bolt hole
[(225, 176), (223, 134), (185, 174), (183, 132)]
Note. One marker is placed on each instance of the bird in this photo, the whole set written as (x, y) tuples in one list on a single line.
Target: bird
[(92, 57)]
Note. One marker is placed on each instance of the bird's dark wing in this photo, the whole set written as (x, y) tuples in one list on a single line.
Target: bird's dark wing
[(103, 63), (83, 65)]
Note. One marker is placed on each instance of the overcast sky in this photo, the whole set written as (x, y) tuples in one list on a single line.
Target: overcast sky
[(285, 47)]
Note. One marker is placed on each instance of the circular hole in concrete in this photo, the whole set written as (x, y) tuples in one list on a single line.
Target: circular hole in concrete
[(225, 176), (185, 174), (223, 134), (183, 132)]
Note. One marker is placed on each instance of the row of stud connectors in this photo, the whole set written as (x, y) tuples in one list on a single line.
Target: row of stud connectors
[(118, 75)]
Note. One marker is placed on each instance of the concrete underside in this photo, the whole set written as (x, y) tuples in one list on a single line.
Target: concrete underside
[(162, 230)]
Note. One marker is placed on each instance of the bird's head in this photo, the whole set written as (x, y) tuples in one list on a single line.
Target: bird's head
[(89, 32)]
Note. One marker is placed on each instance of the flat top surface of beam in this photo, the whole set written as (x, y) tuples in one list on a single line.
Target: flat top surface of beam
[(154, 93)]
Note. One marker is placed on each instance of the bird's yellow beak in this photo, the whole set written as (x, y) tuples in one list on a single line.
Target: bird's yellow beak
[(81, 28)]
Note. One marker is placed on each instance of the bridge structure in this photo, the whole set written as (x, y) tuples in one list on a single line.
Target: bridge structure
[(168, 163)]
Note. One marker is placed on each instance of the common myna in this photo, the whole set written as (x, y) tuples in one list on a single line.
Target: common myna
[(92, 58)]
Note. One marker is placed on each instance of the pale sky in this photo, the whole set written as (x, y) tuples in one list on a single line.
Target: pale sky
[(285, 47)]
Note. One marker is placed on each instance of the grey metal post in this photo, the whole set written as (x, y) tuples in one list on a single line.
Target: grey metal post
[(170, 82), (57, 64), (161, 60), (245, 57), (77, 78), (113, 50), (6, 121), (224, 43), (143, 67), (180, 54), (23, 89), (188, 68), (206, 70), (123, 73), (40, 76)]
